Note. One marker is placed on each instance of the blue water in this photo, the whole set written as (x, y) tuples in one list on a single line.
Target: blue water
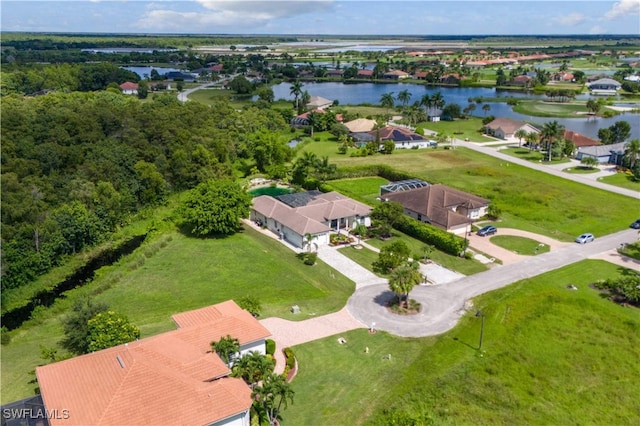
[(370, 93), (145, 72)]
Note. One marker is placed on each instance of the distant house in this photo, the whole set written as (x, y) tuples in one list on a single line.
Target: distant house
[(401, 137), (520, 80), (451, 79), (303, 119), (604, 86), (579, 140), (129, 88), (179, 76), (335, 73), (318, 102), (447, 208), (396, 75), (420, 75), (292, 216), (365, 73), (135, 383), (605, 154), (505, 128)]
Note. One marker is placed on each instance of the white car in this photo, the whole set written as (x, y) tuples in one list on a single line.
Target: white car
[(585, 238)]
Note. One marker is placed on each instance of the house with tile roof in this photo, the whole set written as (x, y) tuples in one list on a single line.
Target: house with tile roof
[(505, 128), (444, 207), (360, 125), (402, 138), (292, 216), (396, 75), (318, 102), (605, 154), (579, 140), (170, 379), (365, 74), (129, 88)]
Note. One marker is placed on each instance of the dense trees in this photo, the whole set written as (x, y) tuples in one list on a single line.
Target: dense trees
[(215, 208), (108, 329), (76, 325), (616, 133)]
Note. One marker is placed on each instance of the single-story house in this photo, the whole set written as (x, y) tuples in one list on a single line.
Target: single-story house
[(129, 88), (135, 383), (605, 154), (292, 216), (365, 73), (520, 80), (604, 86), (318, 102), (401, 137), (452, 79), (335, 73), (579, 140), (444, 207), (396, 75), (505, 128), (303, 119), (360, 125)]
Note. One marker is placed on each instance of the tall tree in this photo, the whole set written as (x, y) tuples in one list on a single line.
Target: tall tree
[(252, 368), (108, 329), (632, 152), (532, 139), (404, 96), (387, 101), (296, 91), (551, 132), (215, 208), (520, 134), (391, 256), (76, 325), (227, 348), (486, 108)]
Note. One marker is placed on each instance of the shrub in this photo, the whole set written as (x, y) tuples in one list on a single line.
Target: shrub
[(290, 357), (270, 346), (310, 259), (441, 239)]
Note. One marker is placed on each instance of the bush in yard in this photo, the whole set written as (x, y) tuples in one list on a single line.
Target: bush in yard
[(439, 238), (270, 346), (391, 256)]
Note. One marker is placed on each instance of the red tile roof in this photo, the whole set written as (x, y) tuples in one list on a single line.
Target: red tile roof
[(579, 140), (163, 379), (127, 85)]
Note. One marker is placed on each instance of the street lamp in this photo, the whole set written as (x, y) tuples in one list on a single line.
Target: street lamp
[(481, 315)]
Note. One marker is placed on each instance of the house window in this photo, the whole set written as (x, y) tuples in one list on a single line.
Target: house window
[(334, 223)]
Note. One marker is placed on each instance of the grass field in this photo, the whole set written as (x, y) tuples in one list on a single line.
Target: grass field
[(362, 189), (533, 156), (186, 274), (622, 180), (550, 356), (530, 200), (550, 109), (460, 129), (363, 257), (520, 245)]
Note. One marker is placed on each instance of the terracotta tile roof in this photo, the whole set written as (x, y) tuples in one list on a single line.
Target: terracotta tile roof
[(127, 85), (436, 202), (163, 379), (365, 73), (507, 125), (579, 140), (360, 125)]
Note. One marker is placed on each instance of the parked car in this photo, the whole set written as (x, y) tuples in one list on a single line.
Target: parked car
[(636, 224), (487, 230), (585, 238)]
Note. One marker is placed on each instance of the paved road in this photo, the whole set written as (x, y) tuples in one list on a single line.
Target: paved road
[(444, 304), (492, 151), (184, 95)]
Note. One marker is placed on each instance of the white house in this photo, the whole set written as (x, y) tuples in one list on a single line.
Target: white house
[(505, 128)]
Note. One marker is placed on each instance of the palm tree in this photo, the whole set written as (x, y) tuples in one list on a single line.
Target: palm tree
[(532, 139), (404, 97), (296, 91), (425, 102), (486, 108), (272, 395), (226, 348), (593, 106), (437, 100), (520, 134), (550, 133), (252, 368), (387, 101), (632, 152), (308, 239), (403, 279), (324, 169)]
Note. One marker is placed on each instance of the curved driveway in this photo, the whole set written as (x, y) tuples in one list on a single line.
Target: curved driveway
[(443, 305)]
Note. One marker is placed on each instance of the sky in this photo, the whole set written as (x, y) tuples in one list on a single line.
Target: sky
[(324, 17)]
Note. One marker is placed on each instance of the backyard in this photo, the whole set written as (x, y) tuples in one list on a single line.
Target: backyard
[(550, 355)]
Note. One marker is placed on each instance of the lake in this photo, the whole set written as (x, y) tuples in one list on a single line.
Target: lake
[(145, 72), (370, 93)]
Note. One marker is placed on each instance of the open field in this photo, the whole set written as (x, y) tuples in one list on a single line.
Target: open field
[(188, 273), (530, 200), (533, 156), (460, 129), (550, 356), (622, 180)]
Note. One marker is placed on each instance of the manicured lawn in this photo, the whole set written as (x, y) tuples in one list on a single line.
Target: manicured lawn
[(581, 170), (363, 256), (530, 200), (550, 356), (533, 156), (187, 273), (363, 189), (631, 250), (540, 108), (455, 263), (520, 245), (622, 180), (460, 129)]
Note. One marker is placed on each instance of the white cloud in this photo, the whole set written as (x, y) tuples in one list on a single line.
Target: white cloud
[(238, 14), (597, 29), (571, 20), (624, 8)]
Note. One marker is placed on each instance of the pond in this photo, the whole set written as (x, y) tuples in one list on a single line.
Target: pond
[(370, 93), (145, 72)]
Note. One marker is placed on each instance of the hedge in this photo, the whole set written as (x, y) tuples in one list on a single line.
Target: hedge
[(381, 170), (441, 239), (270, 346)]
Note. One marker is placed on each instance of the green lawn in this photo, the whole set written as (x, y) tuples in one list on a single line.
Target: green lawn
[(622, 180), (631, 250), (581, 170), (363, 189), (533, 156), (520, 245), (460, 129), (363, 256), (550, 356), (530, 200), (187, 273), (547, 108)]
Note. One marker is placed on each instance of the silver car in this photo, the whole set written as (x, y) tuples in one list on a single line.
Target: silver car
[(585, 238)]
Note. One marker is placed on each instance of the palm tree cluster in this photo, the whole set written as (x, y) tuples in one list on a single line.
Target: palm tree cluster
[(310, 166)]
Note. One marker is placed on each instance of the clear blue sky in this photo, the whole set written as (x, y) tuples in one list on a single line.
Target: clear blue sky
[(421, 17)]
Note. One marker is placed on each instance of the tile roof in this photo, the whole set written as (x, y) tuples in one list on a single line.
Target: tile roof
[(507, 125), (437, 202), (127, 85), (578, 139), (360, 125), (163, 379)]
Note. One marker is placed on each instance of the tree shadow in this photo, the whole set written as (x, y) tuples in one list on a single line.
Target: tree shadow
[(475, 348), (384, 298)]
